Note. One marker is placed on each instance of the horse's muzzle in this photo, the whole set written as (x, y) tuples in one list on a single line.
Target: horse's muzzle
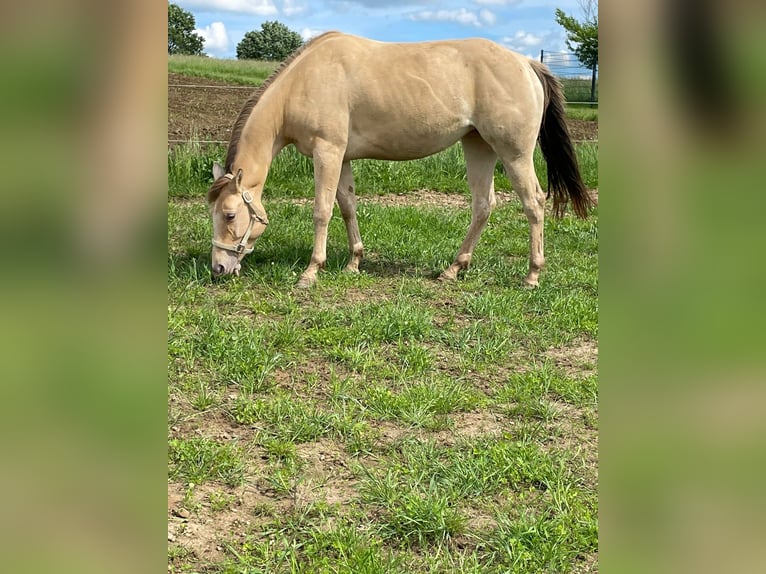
[(219, 269)]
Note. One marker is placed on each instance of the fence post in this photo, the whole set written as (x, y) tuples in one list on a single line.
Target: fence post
[(541, 57), (593, 84)]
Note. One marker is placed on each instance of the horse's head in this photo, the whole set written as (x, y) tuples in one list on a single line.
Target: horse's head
[(238, 220)]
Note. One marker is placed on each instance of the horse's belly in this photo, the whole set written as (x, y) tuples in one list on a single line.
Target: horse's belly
[(402, 144)]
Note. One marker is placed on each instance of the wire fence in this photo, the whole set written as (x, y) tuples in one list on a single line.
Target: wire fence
[(580, 83)]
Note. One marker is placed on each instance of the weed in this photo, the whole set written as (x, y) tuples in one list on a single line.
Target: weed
[(220, 500)]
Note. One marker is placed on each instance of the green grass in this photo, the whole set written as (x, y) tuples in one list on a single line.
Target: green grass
[(578, 89), (198, 460), (584, 112), (242, 72), (383, 422)]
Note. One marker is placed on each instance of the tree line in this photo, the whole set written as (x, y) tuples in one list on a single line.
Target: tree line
[(273, 42)]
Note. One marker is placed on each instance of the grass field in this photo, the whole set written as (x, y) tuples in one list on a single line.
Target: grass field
[(578, 90), (242, 72), (584, 112), (381, 422)]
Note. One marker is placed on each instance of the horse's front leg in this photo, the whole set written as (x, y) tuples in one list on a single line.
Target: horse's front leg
[(327, 167)]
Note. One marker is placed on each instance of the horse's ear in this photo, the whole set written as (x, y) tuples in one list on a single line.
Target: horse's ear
[(238, 178), (213, 193), (218, 170)]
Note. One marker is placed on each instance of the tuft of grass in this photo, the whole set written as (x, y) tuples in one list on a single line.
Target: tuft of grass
[(301, 542), (370, 323), (539, 543), (421, 518), (423, 404), (220, 501), (281, 450), (284, 419), (204, 398), (199, 460)]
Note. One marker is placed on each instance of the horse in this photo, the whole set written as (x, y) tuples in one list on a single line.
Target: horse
[(341, 97)]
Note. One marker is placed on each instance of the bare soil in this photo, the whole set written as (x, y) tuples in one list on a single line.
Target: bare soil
[(206, 110)]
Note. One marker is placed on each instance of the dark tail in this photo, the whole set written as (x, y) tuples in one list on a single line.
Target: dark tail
[(564, 179)]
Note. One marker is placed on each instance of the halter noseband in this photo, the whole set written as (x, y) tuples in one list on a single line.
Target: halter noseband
[(241, 247)]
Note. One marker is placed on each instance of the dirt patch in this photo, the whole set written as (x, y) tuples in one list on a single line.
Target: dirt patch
[(582, 130), (471, 425), (569, 433), (417, 198), (205, 113), (195, 528), (578, 359), (326, 476), (465, 426), (211, 424)]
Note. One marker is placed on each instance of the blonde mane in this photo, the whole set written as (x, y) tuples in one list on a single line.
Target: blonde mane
[(252, 101)]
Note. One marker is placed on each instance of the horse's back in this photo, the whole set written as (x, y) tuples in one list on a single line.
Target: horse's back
[(407, 100)]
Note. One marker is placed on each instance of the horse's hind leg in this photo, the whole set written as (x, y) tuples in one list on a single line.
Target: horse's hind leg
[(480, 161), (347, 203), (521, 172)]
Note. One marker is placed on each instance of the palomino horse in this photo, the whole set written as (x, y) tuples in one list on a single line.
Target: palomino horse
[(340, 98)]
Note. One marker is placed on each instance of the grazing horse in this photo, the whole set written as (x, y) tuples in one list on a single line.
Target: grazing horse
[(340, 98)]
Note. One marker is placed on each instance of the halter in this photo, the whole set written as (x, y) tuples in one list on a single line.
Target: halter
[(241, 247)]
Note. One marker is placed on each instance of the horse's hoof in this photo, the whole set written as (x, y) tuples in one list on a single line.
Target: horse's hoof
[(447, 277), (530, 284), (305, 283)]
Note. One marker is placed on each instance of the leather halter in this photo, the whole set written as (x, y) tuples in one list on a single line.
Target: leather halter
[(241, 247)]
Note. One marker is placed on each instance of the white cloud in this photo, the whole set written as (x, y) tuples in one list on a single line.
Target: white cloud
[(461, 16), (308, 33), (216, 38), (292, 8), (254, 7), (523, 42), (487, 17), (527, 39)]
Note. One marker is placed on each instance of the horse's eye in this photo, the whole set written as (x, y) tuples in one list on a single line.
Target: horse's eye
[(230, 216)]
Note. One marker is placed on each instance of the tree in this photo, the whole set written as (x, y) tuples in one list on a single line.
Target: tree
[(582, 37), (274, 42), (182, 39)]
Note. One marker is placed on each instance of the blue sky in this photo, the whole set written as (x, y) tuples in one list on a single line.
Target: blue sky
[(526, 26)]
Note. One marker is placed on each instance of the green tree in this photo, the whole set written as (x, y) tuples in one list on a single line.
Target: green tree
[(582, 37), (182, 39), (274, 42)]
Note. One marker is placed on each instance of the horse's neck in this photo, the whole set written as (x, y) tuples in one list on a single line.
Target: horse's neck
[(259, 143)]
